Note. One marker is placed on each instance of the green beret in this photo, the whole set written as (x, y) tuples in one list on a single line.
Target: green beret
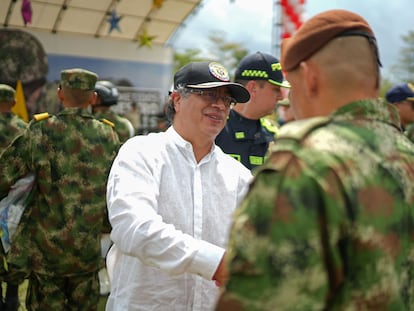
[(6, 93), (318, 31), (77, 78)]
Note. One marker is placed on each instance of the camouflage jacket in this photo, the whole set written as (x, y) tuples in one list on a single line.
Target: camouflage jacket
[(123, 127), (409, 132), (10, 126), (328, 222), (71, 154)]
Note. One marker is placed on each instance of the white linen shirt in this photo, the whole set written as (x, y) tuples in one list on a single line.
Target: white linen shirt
[(170, 220)]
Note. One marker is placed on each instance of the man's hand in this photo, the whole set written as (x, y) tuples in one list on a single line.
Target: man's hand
[(221, 274)]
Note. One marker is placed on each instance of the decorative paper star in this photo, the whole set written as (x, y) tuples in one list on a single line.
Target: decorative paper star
[(156, 4), (114, 21), (145, 39), (26, 11)]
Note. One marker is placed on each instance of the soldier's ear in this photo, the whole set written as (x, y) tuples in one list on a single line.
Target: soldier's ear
[(94, 99), (310, 74), (60, 94)]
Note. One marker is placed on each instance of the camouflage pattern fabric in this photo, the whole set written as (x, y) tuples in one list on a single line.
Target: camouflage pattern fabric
[(22, 57), (84, 293), (71, 154), (121, 123), (78, 78), (10, 126), (409, 132), (328, 222)]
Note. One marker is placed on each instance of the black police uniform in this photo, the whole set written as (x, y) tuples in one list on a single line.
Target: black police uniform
[(246, 140)]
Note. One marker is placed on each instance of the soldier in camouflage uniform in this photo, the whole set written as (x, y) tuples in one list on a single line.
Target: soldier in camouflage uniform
[(108, 96), (22, 57), (57, 243), (402, 97), (328, 223), (10, 126), (409, 132)]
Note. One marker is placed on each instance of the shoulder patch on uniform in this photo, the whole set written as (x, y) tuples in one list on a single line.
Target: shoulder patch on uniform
[(41, 116), (299, 129), (269, 125), (106, 121)]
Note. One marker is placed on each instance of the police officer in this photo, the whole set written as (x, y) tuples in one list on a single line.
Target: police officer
[(57, 242), (402, 97), (247, 133), (108, 96), (328, 222), (10, 126)]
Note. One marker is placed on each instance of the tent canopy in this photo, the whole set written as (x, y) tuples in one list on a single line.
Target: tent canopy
[(135, 20)]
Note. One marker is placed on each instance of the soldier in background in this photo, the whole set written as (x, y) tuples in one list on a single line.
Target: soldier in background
[(108, 96), (57, 243), (284, 111), (22, 57), (134, 115), (402, 97), (10, 124), (10, 127), (328, 223)]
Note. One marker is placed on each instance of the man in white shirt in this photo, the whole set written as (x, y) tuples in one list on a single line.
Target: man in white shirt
[(170, 198)]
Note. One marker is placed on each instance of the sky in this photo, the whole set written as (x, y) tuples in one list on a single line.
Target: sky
[(249, 22)]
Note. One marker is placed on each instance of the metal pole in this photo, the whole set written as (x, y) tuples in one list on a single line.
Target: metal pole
[(276, 28)]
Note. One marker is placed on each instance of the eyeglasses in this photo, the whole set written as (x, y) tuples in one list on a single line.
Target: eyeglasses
[(213, 97)]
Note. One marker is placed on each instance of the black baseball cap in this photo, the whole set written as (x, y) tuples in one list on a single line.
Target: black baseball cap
[(261, 66), (206, 75)]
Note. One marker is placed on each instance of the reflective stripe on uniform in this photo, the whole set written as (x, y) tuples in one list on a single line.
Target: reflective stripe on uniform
[(239, 135), (235, 156), (269, 126), (255, 160)]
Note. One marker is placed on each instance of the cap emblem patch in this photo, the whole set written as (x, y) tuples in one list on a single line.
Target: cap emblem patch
[(276, 66), (218, 71)]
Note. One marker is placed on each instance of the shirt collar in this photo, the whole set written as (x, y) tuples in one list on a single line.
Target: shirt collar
[(377, 110), (183, 144)]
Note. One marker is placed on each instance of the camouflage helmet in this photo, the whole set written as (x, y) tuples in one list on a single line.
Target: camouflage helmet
[(22, 57), (107, 92)]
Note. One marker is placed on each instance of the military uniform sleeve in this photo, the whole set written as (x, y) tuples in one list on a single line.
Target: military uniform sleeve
[(282, 252), (14, 162)]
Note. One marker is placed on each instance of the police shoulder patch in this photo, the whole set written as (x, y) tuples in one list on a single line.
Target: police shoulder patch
[(298, 130), (269, 125), (41, 116), (106, 121)]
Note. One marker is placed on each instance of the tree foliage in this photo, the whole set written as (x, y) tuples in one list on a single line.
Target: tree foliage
[(218, 49), (404, 69)]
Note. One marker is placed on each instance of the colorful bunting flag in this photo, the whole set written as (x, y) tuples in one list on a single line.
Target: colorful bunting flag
[(145, 39), (20, 107), (114, 21), (26, 11), (157, 4)]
